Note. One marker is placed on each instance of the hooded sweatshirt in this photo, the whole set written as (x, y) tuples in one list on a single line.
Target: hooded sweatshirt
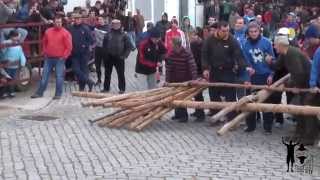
[(255, 54)]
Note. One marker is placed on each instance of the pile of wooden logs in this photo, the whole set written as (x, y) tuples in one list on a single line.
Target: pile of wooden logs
[(137, 110)]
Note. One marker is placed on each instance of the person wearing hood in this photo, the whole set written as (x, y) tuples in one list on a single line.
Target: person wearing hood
[(100, 31), (180, 67), (149, 56), (117, 46), (255, 50), (187, 28), (82, 40), (173, 32), (163, 25)]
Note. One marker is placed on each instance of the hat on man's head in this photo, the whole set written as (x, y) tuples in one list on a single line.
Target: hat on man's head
[(155, 33), (115, 21), (76, 15), (312, 32), (281, 40)]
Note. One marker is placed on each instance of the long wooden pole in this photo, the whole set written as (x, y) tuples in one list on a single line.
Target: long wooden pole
[(251, 107), (252, 87), (262, 95)]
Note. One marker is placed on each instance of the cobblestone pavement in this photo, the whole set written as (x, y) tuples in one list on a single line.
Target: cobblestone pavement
[(72, 148)]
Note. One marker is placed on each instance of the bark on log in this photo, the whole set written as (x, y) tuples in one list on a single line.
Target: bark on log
[(251, 107), (145, 100), (252, 87), (101, 102), (233, 106), (192, 92), (91, 94), (143, 120), (129, 118)]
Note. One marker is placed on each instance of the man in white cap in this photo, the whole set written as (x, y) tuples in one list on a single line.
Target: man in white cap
[(299, 66)]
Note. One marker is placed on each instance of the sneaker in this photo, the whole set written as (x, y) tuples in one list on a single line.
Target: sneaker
[(248, 130), (135, 75), (56, 97), (98, 82), (90, 86), (105, 91), (278, 125), (183, 120), (174, 118), (194, 114), (36, 96), (267, 132), (121, 92), (199, 119), (11, 95)]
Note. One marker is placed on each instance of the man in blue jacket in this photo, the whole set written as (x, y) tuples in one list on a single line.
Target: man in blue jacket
[(81, 40), (256, 49), (315, 71)]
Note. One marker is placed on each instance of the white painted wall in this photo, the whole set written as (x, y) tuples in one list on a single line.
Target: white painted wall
[(172, 8)]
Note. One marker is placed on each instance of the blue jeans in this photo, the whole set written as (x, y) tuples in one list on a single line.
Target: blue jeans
[(12, 72), (49, 64), (132, 37), (81, 70)]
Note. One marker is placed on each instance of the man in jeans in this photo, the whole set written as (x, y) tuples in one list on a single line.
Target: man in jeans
[(57, 47)]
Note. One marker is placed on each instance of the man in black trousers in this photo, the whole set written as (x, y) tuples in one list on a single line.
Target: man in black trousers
[(118, 47)]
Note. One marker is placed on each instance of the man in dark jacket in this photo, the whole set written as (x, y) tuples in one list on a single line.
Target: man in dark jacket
[(81, 40), (99, 32), (222, 59), (163, 25), (129, 26), (196, 43), (149, 55), (180, 67), (118, 47), (299, 67)]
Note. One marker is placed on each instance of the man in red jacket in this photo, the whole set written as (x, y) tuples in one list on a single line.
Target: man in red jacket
[(57, 46)]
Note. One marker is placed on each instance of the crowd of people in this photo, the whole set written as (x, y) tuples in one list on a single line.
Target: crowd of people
[(241, 42)]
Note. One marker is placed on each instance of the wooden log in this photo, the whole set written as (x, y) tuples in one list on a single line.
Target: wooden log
[(137, 102), (101, 102), (91, 94), (106, 116), (251, 107), (134, 125), (233, 106), (109, 119), (262, 96), (193, 92), (129, 118), (150, 120), (252, 87)]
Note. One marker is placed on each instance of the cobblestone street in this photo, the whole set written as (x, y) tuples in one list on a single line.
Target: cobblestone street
[(71, 148)]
